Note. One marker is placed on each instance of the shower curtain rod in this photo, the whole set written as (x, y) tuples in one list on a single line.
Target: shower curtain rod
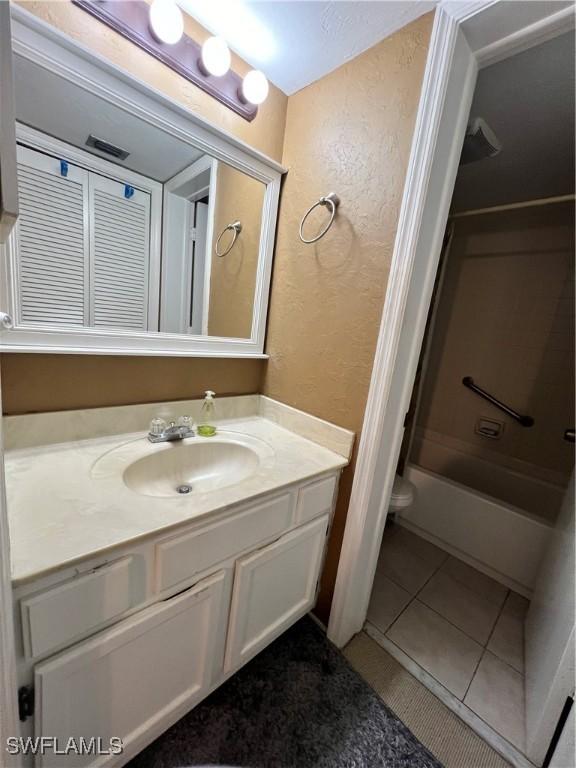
[(514, 206)]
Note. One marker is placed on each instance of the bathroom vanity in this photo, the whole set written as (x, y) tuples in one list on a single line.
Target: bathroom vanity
[(133, 602), (144, 574)]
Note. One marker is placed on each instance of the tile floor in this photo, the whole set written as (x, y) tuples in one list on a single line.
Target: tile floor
[(460, 626), (434, 724)]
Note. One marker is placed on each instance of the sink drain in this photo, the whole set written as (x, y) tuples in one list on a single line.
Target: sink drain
[(184, 488)]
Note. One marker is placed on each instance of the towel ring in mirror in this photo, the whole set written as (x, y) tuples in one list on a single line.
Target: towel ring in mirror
[(331, 201), (237, 228)]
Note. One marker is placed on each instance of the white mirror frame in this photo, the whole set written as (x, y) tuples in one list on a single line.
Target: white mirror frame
[(46, 46)]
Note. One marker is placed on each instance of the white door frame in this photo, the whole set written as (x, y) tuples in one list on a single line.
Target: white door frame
[(9, 725), (466, 36)]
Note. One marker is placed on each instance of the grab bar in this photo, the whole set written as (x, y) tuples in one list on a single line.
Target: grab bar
[(526, 421)]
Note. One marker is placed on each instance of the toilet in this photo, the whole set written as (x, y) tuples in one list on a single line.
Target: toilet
[(402, 494)]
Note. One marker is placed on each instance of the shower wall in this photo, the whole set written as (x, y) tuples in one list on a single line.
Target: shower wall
[(506, 318)]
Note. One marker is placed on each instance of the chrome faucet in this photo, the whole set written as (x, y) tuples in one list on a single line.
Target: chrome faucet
[(160, 432)]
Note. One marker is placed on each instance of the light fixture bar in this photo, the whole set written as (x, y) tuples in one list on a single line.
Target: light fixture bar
[(130, 18)]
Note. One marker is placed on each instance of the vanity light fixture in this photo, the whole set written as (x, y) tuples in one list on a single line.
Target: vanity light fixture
[(166, 21), (159, 30), (254, 87), (215, 59)]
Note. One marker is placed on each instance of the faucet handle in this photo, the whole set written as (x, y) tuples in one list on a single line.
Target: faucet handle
[(157, 426), (186, 421)]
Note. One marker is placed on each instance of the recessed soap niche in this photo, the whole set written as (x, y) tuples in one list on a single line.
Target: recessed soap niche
[(490, 428)]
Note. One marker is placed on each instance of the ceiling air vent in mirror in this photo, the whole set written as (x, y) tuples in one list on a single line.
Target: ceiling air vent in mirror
[(105, 146)]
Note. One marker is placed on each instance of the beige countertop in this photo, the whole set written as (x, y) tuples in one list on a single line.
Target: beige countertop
[(68, 501)]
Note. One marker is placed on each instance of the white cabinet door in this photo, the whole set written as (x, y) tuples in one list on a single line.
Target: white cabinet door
[(52, 240), (77, 608), (273, 587), (8, 214), (134, 680), (8, 172), (120, 255)]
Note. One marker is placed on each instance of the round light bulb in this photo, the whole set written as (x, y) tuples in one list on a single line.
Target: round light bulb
[(255, 87), (216, 56), (166, 21)]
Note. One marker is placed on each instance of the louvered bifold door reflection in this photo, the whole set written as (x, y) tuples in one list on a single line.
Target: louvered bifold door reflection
[(52, 240), (120, 255)]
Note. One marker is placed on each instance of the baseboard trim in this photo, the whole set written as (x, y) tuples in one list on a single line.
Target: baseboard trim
[(317, 621)]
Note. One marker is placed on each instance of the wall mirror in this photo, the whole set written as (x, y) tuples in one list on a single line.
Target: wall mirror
[(142, 229)]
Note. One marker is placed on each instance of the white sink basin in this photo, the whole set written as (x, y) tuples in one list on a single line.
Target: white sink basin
[(191, 468), (185, 467)]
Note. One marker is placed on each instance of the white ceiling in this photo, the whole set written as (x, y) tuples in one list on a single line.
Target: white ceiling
[(295, 42), (528, 101), (50, 104)]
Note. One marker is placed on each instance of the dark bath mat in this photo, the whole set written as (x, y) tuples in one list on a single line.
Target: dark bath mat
[(298, 704)]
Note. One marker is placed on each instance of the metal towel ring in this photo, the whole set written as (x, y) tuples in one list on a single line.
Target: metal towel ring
[(330, 201), (237, 227)]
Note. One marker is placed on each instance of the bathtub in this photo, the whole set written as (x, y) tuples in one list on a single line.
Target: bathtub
[(523, 486), (498, 539)]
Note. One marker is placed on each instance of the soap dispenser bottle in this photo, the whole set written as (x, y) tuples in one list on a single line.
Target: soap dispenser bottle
[(206, 425)]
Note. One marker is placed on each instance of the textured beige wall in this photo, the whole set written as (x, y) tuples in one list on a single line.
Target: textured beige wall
[(36, 383), (233, 277), (506, 318), (108, 381), (350, 133)]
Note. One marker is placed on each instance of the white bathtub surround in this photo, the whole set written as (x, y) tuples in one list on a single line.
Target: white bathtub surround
[(460, 633), (67, 502), (37, 429), (504, 542)]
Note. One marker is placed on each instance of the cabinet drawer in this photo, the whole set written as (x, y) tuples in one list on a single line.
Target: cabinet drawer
[(273, 587), (181, 557), (316, 499), (76, 608), (134, 680)]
